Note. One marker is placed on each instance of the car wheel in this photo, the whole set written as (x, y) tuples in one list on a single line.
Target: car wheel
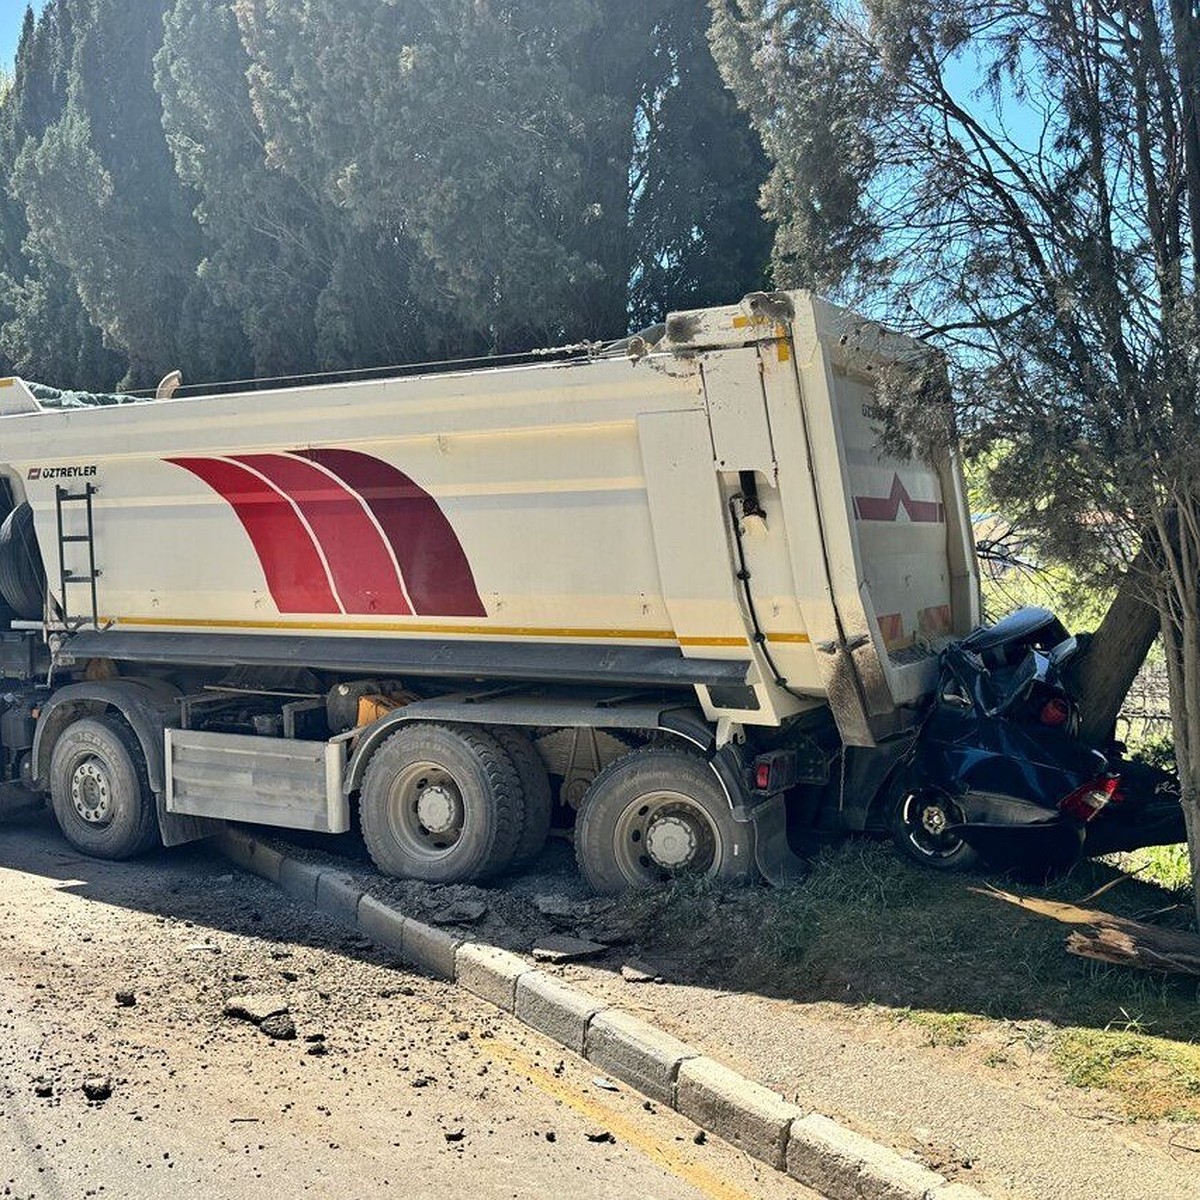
[(920, 824)]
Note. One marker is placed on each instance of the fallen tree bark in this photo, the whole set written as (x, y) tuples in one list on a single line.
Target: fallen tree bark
[(1113, 939)]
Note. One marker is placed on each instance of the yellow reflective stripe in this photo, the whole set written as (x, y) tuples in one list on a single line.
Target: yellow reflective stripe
[(514, 631)]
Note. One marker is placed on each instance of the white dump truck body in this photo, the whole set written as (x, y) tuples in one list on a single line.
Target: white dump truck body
[(588, 513)]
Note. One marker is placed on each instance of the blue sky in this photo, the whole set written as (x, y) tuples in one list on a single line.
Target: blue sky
[(12, 13)]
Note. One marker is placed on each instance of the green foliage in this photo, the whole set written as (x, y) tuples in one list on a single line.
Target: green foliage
[(698, 170), (808, 91), (1038, 225), (242, 186), (1015, 572), (45, 330), (1155, 1078), (1020, 183), (103, 201)]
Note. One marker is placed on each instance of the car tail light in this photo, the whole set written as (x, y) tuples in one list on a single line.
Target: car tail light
[(1056, 711), (1085, 802)]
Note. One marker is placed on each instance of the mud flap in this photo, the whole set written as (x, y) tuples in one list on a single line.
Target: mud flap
[(177, 829), (777, 861)]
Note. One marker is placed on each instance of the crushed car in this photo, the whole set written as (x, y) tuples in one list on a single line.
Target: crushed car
[(997, 771), (994, 770)]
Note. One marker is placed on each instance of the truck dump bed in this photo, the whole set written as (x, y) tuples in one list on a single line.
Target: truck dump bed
[(709, 512)]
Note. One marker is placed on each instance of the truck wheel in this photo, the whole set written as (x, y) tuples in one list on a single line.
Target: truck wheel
[(918, 822), (22, 577), (99, 789), (441, 803), (654, 815), (535, 787)]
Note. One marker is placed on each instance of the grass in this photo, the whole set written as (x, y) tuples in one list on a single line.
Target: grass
[(939, 1029), (868, 929), (1167, 866), (1156, 1079)]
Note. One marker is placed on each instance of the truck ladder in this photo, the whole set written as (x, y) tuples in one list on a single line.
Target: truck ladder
[(66, 577)]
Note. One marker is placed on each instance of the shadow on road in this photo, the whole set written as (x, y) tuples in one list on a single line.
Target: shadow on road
[(191, 885)]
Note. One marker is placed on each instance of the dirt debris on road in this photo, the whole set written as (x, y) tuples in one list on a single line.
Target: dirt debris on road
[(889, 998), (394, 1084)]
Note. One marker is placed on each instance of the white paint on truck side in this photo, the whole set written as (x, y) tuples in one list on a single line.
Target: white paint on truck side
[(585, 502)]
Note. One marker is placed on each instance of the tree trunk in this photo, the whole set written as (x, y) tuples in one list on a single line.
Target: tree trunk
[(1103, 674), (1191, 817)]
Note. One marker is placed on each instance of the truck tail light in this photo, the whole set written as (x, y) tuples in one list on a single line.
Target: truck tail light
[(775, 771), (1085, 802)]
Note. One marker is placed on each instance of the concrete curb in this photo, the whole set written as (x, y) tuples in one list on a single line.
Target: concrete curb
[(826, 1156), (637, 1052)]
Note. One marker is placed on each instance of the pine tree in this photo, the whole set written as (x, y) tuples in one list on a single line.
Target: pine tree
[(103, 201), (45, 332), (1044, 226)]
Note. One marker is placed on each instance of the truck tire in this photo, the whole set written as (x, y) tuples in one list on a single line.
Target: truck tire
[(535, 787), (99, 789), (22, 576), (654, 815), (441, 803)]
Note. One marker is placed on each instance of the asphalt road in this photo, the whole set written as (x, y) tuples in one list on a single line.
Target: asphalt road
[(395, 1084)]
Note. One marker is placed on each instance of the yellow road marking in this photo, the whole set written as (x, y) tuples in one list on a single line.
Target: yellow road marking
[(622, 1127)]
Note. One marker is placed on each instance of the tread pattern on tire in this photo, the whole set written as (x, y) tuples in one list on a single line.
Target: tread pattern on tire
[(504, 790), (146, 833), (535, 787), (504, 782), (649, 757), (22, 575)]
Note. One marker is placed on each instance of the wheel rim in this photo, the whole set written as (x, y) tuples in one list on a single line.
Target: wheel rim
[(662, 835), (927, 817), (91, 791), (425, 810)]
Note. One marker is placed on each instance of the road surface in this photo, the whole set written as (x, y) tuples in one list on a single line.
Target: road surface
[(394, 1085)]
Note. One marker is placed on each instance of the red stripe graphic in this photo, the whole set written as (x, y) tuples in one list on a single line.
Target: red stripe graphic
[(295, 574), (887, 508), (436, 573), (364, 575)]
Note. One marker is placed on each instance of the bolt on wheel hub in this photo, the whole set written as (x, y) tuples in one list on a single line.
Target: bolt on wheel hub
[(90, 793), (671, 842), (438, 809), (934, 820)]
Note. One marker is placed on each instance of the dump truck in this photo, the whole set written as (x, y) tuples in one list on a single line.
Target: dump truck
[(658, 588)]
